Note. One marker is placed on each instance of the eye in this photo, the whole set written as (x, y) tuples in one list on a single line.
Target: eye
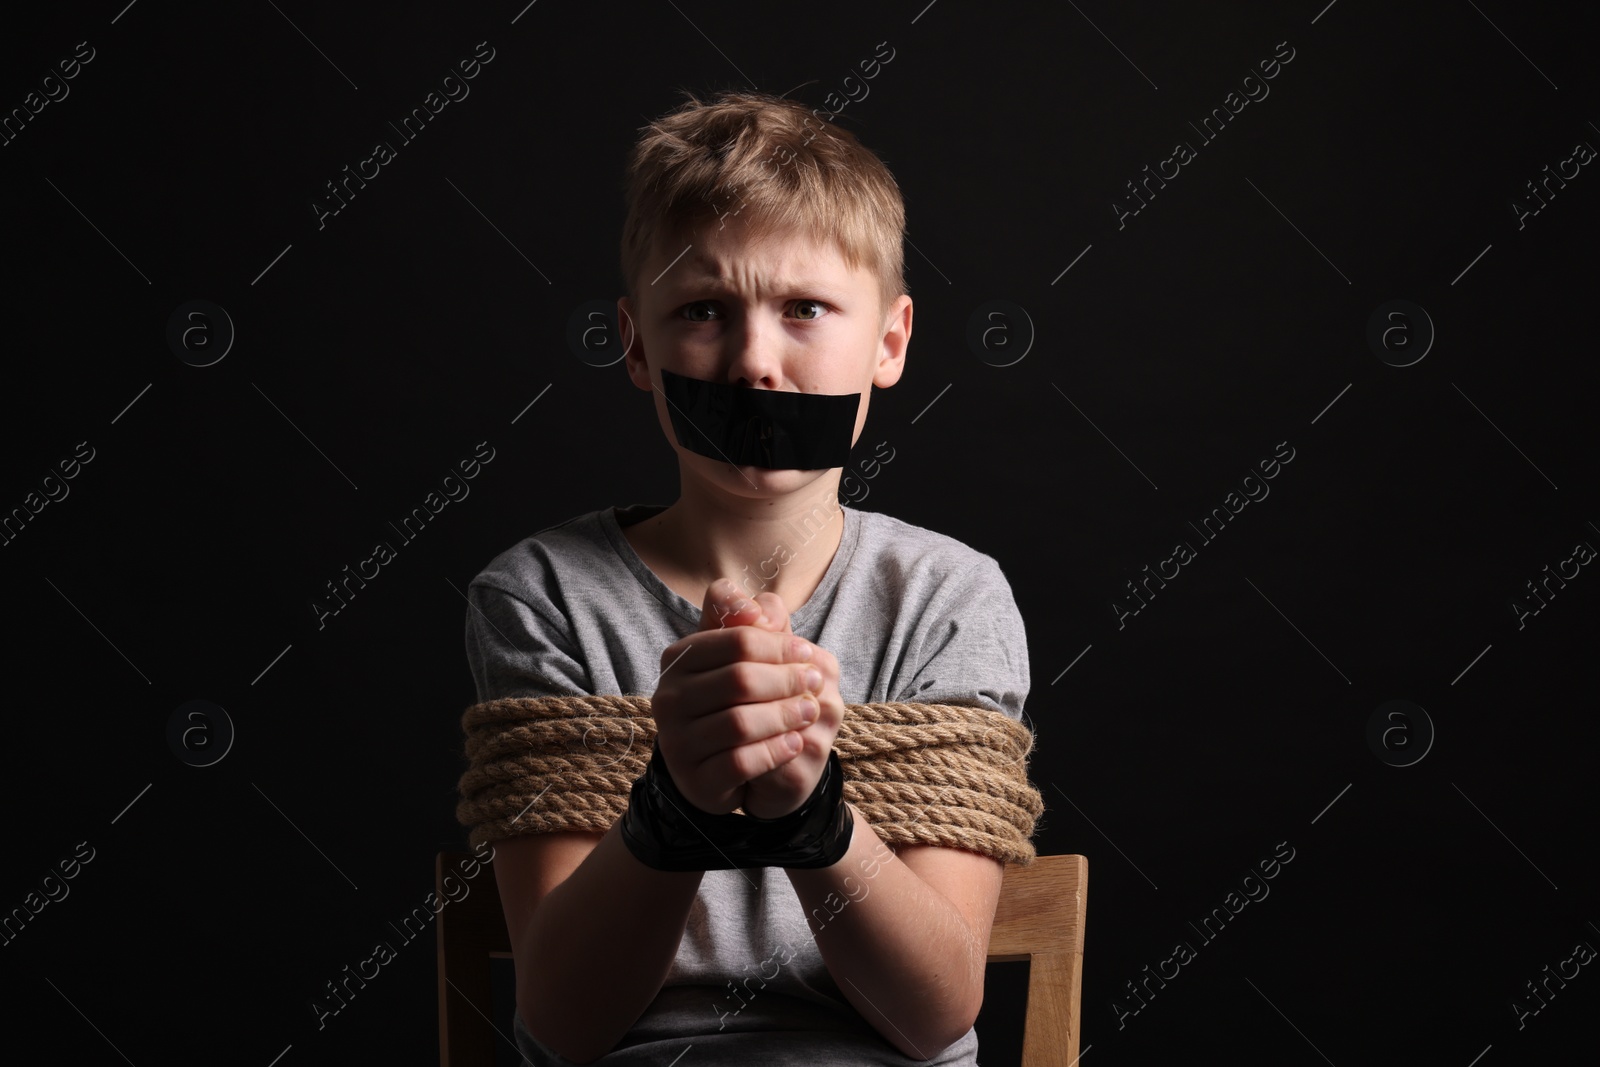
[(818, 306), (690, 309)]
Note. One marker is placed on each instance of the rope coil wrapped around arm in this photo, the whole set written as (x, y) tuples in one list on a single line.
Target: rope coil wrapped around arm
[(922, 774)]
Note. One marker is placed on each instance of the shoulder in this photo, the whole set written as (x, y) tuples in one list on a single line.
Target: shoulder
[(916, 559), (963, 638), (520, 634), (533, 569)]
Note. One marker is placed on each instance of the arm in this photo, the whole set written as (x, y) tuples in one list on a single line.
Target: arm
[(593, 930), (575, 902), (905, 935), (592, 946)]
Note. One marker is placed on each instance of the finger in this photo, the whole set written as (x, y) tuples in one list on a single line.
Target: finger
[(825, 661), (726, 605), (745, 724), (714, 649), (784, 788), (751, 761), (750, 682), (775, 614)]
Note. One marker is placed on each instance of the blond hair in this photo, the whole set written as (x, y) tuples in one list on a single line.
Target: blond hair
[(764, 160)]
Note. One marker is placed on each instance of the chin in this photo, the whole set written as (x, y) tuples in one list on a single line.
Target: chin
[(752, 478), (760, 475)]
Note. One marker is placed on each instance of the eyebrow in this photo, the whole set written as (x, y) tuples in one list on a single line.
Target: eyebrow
[(686, 283)]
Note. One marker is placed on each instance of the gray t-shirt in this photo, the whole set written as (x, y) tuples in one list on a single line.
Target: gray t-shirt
[(911, 615)]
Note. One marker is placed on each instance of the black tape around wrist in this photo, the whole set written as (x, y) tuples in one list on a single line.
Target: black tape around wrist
[(665, 832)]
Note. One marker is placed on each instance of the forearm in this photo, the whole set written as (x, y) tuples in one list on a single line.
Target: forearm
[(898, 949), (598, 947)]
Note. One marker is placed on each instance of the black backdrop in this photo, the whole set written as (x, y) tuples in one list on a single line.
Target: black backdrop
[(1091, 374)]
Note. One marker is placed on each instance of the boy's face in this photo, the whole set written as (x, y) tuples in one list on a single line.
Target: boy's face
[(785, 313)]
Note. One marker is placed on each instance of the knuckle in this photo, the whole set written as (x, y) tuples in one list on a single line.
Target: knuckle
[(738, 680), (664, 705), (746, 679), (803, 675), (742, 721), (744, 763), (773, 754)]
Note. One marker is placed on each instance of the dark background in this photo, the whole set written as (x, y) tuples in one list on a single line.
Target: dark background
[(1181, 347)]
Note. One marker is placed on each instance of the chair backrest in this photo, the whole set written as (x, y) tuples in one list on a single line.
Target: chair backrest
[(1039, 918)]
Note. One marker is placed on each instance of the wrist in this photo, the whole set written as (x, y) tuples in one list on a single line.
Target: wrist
[(664, 831)]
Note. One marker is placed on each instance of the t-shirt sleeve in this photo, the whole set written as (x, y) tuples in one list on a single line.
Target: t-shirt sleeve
[(519, 645), (972, 647)]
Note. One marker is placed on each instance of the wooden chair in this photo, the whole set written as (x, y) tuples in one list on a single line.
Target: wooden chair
[(1039, 918)]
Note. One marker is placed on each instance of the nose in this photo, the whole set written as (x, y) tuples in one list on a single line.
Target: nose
[(754, 352)]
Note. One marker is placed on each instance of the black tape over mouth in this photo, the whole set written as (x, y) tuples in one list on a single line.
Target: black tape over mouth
[(767, 428)]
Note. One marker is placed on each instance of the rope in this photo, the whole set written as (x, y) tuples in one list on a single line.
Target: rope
[(922, 774)]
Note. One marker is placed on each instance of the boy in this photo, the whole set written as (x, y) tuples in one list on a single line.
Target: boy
[(763, 266)]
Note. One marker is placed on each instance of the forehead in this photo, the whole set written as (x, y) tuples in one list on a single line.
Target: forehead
[(729, 258)]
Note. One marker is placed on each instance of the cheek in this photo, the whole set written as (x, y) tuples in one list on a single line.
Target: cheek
[(861, 413), (664, 417)]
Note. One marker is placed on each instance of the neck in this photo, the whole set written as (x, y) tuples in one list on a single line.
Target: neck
[(781, 546)]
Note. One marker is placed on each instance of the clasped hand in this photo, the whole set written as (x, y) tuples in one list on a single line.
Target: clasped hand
[(737, 720)]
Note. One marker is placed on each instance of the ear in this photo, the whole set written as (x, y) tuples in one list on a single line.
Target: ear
[(896, 339), (633, 345)]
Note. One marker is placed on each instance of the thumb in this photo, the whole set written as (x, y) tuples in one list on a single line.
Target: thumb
[(776, 611), (726, 605)]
